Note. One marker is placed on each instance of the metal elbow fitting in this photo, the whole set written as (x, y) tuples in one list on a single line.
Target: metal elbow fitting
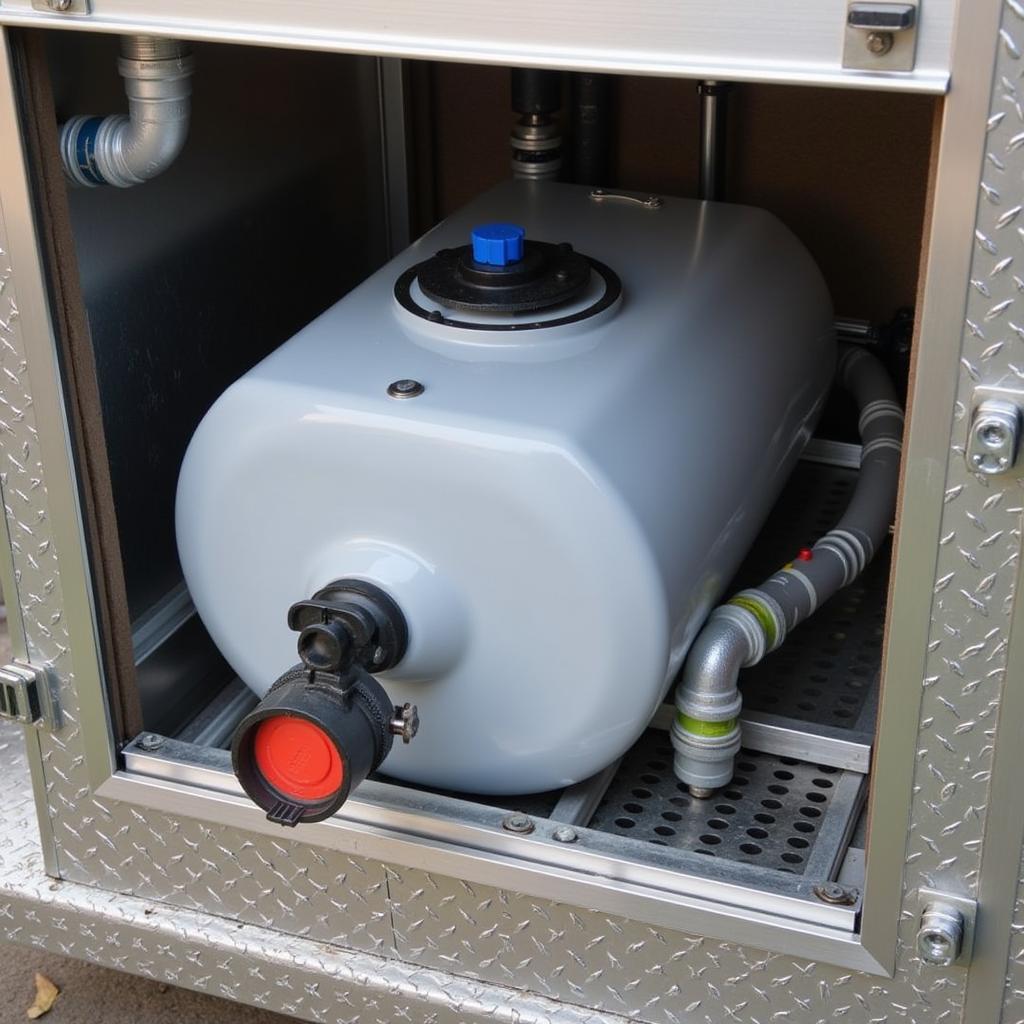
[(127, 150), (706, 733)]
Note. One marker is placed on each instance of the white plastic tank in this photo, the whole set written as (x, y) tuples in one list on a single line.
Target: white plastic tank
[(559, 508)]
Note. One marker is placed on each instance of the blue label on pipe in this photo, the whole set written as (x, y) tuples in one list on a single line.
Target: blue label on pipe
[(85, 150), (498, 245)]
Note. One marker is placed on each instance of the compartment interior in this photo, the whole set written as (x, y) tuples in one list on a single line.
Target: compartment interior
[(279, 205)]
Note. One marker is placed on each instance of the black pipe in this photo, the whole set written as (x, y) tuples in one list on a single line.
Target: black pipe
[(591, 128), (713, 138), (535, 91)]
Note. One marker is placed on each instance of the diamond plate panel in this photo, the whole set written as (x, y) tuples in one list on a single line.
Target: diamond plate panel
[(223, 890)]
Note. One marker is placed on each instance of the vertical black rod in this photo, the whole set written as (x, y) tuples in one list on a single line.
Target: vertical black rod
[(591, 128), (713, 139)]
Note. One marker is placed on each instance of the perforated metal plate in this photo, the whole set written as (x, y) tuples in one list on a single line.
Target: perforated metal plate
[(771, 814)]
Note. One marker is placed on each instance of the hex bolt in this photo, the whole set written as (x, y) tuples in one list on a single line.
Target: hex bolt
[(565, 834), (879, 43), (941, 935), (833, 892), (521, 823), (405, 389), (151, 741)]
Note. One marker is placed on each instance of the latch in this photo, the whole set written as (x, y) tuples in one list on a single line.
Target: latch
[(993, 439), (26, 695), (945, 936), (880, 36), (62, 6)]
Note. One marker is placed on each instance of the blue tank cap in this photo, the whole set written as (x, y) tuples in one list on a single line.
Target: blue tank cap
[(498, 245)]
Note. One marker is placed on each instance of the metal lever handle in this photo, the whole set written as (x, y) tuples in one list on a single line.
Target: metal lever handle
[(881, 17)]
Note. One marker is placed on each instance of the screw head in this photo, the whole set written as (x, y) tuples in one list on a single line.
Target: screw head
[(565, 834), (521, 823), (151, 741), (60, 5), (833, 892), (405, 388), (879, 43)]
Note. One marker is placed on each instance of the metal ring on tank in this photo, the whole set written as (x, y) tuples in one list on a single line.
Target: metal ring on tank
[(612, 291)]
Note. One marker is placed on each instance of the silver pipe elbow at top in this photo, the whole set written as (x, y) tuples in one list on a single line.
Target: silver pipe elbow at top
[(128, 150)]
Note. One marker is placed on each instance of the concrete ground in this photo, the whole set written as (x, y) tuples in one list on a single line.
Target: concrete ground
[(95, 995)]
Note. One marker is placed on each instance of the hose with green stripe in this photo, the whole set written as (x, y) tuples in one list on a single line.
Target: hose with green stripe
[(738, 634)]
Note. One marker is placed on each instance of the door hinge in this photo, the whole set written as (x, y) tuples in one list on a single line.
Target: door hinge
[(27, 695)]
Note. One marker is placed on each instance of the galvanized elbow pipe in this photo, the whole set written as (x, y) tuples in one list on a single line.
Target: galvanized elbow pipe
[(127, 150), (706, 732)]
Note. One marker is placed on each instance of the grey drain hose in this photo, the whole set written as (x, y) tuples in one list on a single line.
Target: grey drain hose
[(706, 732), (124, 151)]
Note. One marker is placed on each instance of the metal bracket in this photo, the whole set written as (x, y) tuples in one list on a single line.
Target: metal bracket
[(880, 36), (993, 440), (27, 695), (945, 937)]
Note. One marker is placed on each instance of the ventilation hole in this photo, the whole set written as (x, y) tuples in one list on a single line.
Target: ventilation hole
[(803, 826), (810, 812), (658, 766), (710, 840), (651, 780), (625, 822), (792, 858), (765, 819), (671, 816), (707, 853), (789, 760), (633, 808), (807, 691), (816, 798), (725, 808), (678, 801), (784, 775), (732, 794), (682, 787), (718, 823), (746, 766), (797, 843), (842, 713), (750, 848), (786, 871), (822, 783), (828, 769), (740, 781), (641, 794), (757, 833), (778, 790), (805, 705), (818, 679), (657, 842), (664, 830), (772, 805)]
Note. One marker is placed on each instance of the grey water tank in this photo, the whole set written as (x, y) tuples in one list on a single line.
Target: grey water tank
[(558, 509)]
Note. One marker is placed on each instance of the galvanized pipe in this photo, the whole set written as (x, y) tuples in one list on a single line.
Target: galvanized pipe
[(127, 150), (706, 732)]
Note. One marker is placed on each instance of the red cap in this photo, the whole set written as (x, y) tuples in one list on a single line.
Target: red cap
[(297, 758), (805, 555)]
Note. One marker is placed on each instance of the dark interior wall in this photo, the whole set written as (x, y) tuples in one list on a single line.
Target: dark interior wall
[(273, 210), (846, 170)]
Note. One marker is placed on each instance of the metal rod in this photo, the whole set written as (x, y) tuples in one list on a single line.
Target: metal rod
[(713, 139)]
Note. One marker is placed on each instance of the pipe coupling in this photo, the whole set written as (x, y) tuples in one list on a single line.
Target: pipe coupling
[(704, 760)]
